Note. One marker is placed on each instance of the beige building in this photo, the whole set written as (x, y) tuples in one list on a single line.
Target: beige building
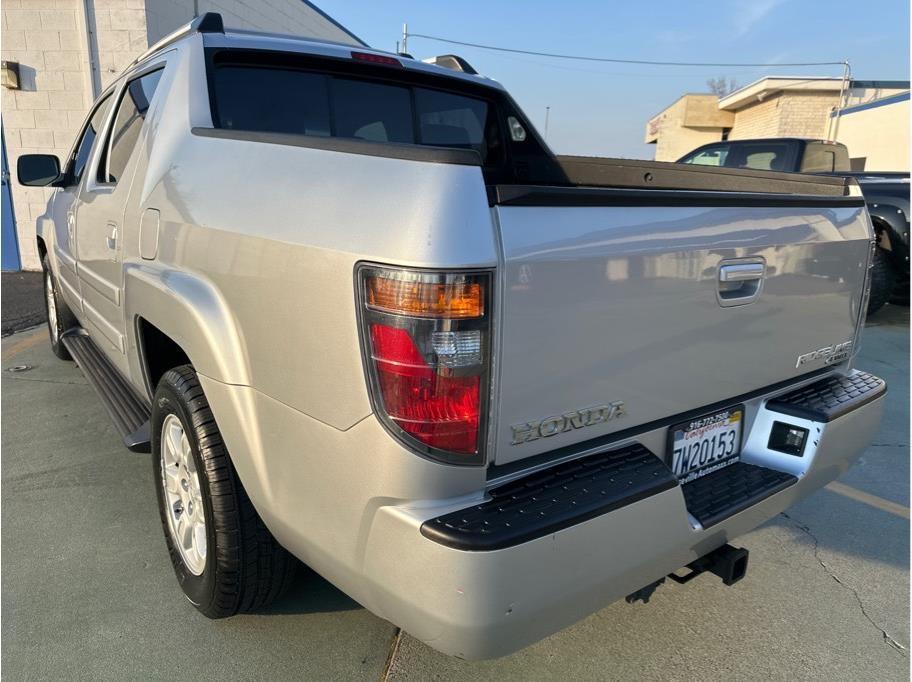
[(788, 107), (877, 133), (692, 120), (67, 51)]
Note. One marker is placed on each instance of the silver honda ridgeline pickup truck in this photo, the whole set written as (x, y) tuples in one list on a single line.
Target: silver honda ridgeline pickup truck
[(362, 316)]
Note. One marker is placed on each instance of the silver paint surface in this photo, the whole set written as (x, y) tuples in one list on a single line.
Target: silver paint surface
[(620, 303), (251, 273)]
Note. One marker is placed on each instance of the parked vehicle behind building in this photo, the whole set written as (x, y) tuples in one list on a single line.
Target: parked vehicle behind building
[(360, 315), (887, 195)]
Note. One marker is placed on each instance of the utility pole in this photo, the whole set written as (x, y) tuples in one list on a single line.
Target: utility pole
[(405, 38), (547, 116), (843, 93)]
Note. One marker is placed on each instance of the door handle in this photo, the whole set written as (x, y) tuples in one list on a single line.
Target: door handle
[(740, 283), (111, 239), (71, 224)]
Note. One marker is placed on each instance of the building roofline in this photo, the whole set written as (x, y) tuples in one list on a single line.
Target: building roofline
[(887, 85), (873, 104), (773, 84), (733, 99), (334, 22), (680, 97)]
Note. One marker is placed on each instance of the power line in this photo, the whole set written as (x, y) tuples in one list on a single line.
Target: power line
[(554, 55)]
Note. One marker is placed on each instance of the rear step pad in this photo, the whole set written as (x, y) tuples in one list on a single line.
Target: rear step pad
[(830, 398), (545, 502), (129, 413), (716, 496)]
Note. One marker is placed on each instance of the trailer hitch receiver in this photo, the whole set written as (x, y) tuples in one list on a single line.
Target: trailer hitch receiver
[(727, 562)]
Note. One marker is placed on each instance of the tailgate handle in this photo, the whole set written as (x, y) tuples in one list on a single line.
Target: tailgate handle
[(742, 272), (740, 283)]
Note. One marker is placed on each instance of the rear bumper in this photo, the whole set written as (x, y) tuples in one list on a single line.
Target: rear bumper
[(483, 604)]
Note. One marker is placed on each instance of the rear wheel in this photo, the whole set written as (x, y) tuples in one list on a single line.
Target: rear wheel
[(225, 559), (901, 291), (883, 279), (59, 316)]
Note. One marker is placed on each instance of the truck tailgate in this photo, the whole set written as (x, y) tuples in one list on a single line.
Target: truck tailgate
[(615, 300)]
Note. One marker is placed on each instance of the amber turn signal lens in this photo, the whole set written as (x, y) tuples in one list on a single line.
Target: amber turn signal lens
[(451, 300)]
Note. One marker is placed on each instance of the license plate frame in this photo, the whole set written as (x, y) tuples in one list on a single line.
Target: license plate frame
[(712, 424)]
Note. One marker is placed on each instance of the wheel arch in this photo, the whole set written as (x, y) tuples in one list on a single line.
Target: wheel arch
[(158, 353), (884, 231), (890, 219), (181, 318)]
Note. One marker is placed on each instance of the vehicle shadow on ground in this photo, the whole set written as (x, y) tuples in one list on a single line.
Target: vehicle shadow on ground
[(310, 593), (890, 314)]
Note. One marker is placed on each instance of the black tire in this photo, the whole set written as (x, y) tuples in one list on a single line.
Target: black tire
[(245, 568), (900, 294), (64, 318), (883, 279)]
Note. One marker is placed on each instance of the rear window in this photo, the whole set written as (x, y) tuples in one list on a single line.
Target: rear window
[(759, 156), (825, 158), (372, 111), (817, 159), (242, 106), (301, 102)]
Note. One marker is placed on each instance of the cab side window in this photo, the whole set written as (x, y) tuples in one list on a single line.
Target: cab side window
[(81, 152), (131, 113)]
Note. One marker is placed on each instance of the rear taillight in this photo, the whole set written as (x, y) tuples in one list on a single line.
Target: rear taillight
[(426, 338)]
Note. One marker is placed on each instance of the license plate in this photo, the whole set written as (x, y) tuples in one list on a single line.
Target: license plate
[(706, 444)]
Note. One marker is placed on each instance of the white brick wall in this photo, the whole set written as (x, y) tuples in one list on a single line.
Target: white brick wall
[(788, 114), (756, 120), (49, 40), (46, 38)]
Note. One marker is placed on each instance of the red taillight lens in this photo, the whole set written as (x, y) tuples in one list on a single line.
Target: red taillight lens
[(439, 410), (427, 362)]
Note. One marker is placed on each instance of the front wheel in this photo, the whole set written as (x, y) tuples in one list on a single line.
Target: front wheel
[(225, 559), (59, 316)]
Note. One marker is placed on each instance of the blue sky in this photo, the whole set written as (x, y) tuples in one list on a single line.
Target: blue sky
[(602, 109)]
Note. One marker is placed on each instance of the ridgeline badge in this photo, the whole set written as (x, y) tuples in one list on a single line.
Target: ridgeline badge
[(828, 354)]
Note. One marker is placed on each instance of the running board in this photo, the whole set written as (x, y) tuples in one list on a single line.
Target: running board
[(128, 412)]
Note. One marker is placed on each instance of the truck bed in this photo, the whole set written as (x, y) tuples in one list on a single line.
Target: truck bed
[(592, 171)]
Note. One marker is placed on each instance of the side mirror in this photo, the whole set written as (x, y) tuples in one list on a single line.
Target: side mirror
[(38, 170)]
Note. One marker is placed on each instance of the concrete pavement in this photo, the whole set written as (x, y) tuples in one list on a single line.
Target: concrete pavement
[(23, 301), (88, 591)]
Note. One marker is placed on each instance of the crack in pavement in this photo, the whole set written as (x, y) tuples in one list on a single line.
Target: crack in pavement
[(391, 658), (807, 531)]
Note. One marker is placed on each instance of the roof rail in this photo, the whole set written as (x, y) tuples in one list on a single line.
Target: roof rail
[(210, 22), (452, 62)]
